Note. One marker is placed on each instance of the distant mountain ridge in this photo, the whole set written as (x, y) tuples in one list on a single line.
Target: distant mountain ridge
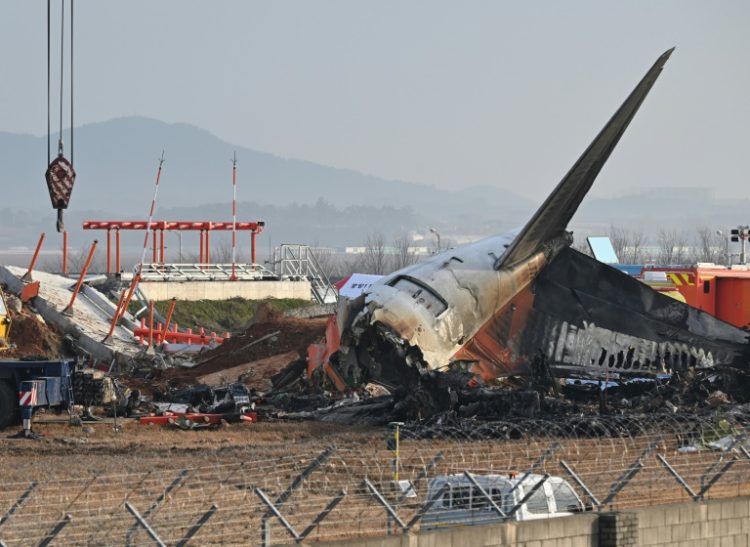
[(118, 158), (301, 201)]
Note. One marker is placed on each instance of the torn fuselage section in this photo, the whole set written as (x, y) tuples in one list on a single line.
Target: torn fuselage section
[(416, 320), (589, 319), (580, 317)]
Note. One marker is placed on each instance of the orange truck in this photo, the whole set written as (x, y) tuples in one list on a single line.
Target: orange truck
[(723, 292)]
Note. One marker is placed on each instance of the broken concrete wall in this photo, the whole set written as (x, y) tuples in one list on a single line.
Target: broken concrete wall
[(90, 320)]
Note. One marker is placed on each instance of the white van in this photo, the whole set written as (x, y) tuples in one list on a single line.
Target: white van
[(462, 503)]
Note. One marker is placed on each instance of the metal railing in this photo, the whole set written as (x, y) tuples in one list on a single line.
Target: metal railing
[(204, 272), (299, 262)]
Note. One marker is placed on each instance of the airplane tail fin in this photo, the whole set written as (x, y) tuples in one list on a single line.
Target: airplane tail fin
[(553, 216)]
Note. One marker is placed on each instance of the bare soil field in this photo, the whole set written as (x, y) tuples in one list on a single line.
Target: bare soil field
[(65, 451)]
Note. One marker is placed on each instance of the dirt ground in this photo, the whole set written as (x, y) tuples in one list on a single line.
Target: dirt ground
[(270, 334), (66, 451)]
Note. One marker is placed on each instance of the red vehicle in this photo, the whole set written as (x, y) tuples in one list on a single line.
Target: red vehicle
[(723, 292)]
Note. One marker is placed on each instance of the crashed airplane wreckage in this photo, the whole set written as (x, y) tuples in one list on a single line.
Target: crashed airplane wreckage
[(508, 304)]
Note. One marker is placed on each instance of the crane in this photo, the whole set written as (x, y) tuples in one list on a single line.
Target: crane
[(61, 174)]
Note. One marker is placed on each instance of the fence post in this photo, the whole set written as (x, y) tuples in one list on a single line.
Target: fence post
[(715, 478), (19, 502), (623, 480), (275, 512), (297, 482), (580, 483), (426, 507), (286, 494), (145, 525), (323, 514), (197, 526), (554, 447), (379, 497), (484, 494), (154, 506), (56, 530), (677, 476), (265, 531), (530, 493)]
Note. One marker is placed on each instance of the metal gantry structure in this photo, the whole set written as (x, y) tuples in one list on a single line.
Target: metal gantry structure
[(159, 227)]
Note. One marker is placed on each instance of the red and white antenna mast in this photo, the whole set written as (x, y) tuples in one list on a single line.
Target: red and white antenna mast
[(234, 216)]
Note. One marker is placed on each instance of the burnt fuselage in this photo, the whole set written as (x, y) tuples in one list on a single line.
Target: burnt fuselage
[(422, 316), (584, 318), (511, 300)]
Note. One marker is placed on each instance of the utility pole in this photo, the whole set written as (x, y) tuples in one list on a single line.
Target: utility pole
[(394, 443), (437, 236), (740, 234)]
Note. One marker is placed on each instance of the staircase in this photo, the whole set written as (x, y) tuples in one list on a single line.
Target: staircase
[(293, 261)]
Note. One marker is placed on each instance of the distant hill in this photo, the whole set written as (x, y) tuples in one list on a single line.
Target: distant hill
[(116, 163), (301, 201)]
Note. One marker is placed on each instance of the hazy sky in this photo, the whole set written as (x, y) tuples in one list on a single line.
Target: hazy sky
[(449, 93)]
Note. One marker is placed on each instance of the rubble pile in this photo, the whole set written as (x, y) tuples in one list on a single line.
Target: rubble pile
[(31, 336), (269, 343), (269, 333), (454, 398), (264, 369)]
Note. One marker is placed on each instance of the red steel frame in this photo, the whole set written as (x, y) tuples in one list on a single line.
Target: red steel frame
[(27, 275), (158, 227), (151, 333)]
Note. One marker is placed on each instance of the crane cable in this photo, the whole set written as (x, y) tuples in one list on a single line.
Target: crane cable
[(62, 76), (60, 173), (71, 83), (49, 78)]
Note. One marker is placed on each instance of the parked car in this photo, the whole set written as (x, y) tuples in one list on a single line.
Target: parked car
[(462, 503)]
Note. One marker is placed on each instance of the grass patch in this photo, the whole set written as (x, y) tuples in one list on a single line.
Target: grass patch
[(220, 315)]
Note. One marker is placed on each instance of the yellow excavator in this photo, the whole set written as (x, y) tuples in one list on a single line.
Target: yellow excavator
[(4, 324)]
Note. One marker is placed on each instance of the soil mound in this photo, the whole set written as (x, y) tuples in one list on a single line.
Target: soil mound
[(33, 338), (269, 334)]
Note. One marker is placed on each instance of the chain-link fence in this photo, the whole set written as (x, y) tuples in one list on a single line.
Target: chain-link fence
[(324, 493)]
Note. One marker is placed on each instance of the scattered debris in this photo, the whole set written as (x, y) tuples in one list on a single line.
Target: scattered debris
[(717, 398), (256, 374), (14, 303), (86, 324)]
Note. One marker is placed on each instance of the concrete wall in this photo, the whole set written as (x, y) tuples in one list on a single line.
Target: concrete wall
[(223, 290), (724, 523), (719, 522), (577, 531), (308, 312)]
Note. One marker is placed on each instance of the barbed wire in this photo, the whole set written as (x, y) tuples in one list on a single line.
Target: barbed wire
[(597, 450)]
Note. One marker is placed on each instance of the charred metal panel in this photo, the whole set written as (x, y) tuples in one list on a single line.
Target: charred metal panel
[(495, 349), (589, 317)]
